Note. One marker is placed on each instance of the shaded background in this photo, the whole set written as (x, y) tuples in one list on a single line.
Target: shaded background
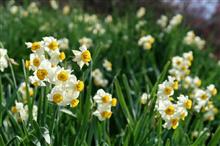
[(203, 16)]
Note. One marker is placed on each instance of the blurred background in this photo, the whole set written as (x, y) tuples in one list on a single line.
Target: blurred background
[(203, 16)]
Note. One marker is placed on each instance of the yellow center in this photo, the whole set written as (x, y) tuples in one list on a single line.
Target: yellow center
[(63, 76), (106, 114), (170, 110), (188, 104), (62, 56), (114, 101), (204, 97), (36, 62), (105, 99), (74, 103), (42, 73), (178, 62), (35, 46), (53, 45), (80, 86), (174, 123), (184, 68), (168, 90), (14, 109), (86, 56), (147, 45), (57, 98)]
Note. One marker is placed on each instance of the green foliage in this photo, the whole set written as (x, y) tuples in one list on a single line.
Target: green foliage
[(134, 71)]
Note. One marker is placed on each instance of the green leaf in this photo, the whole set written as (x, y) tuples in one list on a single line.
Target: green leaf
[(215, 138), (1, 141), (201, 139), (68, 112), (123, 104)]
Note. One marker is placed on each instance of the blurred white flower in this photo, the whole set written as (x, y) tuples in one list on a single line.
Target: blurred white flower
[(146, 42), (140, 24), (141, 12), (144, 98), (54, 4), (97, 29), (192, 39), (66, 9), (108, 19), (107, 65), (86, 41), (162, 21), (63, 43), (175, 21), (33, 8), (3, 59), (14, 9), (98, 78)]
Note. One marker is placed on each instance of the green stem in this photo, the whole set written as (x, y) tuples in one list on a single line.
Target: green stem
[(1, 97), (13, 74), (55, 118), (29, 100)]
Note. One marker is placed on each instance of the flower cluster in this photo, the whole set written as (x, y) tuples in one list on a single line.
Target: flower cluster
[(180, 66), (31, 9), (104, 103), (44, 62), (210, 111), (20, 111), (191, 82), (97, 29), (202, 96), (63, 43), (162, 21), (146, 42), (86, 41), (171, 111), (175, 21), (192, 39), (87, 18), (180, 71), (3, 59), (98, 78)]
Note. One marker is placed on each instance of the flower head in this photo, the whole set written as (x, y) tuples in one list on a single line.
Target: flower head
[(82, 57)]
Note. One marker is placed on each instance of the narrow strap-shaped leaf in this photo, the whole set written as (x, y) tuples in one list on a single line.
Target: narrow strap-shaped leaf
[(200, 139), (123, 103), (2, 141), (215, 138)]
